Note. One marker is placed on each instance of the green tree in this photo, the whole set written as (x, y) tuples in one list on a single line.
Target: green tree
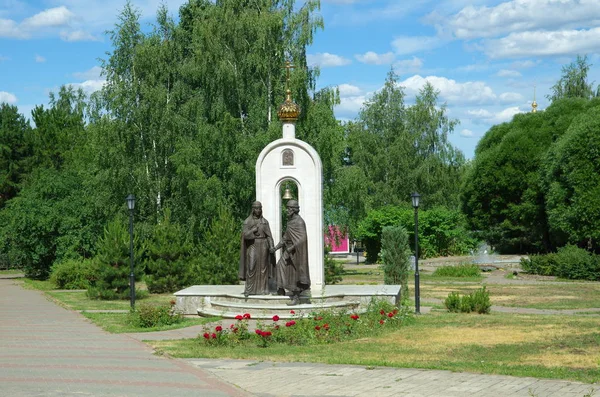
[(167, 259), (502, 195), (112, 267), (395, 255), (15, 150), (217, 258), (573, 82), (572, 183)]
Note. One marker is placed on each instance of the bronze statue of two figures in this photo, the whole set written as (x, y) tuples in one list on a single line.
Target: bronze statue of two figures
[(257, 255)]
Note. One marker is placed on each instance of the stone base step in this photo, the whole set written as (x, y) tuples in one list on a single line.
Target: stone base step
[(270, 309)]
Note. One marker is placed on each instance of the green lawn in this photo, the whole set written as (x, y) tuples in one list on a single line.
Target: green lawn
[(78, 300), (119, 322), (558, 347)]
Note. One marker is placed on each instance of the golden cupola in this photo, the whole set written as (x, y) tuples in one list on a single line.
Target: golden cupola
[(289, 111)]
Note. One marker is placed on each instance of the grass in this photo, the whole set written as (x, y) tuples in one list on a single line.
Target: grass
[(558, 347), (78, 300), (117, 323), (557, 296), (464, 270), (11, 271)]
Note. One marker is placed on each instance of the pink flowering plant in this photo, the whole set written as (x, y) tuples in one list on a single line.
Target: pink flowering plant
[(321, 327)]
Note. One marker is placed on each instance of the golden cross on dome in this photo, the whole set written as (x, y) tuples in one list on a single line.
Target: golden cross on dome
[(288, 66)]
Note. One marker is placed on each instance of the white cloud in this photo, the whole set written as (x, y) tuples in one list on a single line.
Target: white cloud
[(7, 97), (508, 73), (326, 59), (562, 42), (483, 115), (90, 74), (347, 90), (408, 65), (520, 15), (89, 86), (52, 17), (466, 133), (372, 58), (508, 97), (40, 59), (405, 45), (451, 90), (350, 106), (524, 64), (78, 35)]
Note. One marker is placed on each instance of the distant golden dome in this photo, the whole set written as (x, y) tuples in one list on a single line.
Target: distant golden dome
[(534, 106), (288, 111)]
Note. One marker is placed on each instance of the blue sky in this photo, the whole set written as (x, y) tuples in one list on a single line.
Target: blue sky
[(484, 56)]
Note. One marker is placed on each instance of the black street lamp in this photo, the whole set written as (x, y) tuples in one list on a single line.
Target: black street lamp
[(415, 202), (131, 205)]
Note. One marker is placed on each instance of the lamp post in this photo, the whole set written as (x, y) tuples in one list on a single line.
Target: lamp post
[(415, 202), (131, 205)]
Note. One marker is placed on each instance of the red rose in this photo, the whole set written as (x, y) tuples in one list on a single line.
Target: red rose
[(239, 317), (292, 312), (277, 327), (391, 314), (266, 333), (290, 323), (219, 328), (258, 332), (318, 328), (381, 322), (235, 330), (206, 335), (326, 326), (319, 318), (231, 326), (354, 317), (247, 316), (395, 311), (214, 336), (276, 318), (382, 312)]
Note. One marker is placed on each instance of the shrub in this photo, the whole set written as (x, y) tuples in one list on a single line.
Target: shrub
[(333, 269), (317, 328), (73, 274), (395, 254), (462, 270), (480, 301), (569, 262), (452, 302), (477, 301), (544, 265), (152, 315)]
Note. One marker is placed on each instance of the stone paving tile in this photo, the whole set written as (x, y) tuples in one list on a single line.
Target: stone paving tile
[(46, 350)]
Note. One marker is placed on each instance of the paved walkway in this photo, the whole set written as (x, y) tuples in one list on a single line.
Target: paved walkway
[(46, 350)]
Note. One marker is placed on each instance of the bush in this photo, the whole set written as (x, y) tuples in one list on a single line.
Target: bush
[(73, 274), (395, 254), (317, 328), (152, 315), (569, 262), (333, 269), (462, 270), (442, 232), (477, 301)]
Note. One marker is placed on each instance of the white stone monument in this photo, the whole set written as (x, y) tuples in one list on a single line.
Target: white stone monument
[(290, 159)]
